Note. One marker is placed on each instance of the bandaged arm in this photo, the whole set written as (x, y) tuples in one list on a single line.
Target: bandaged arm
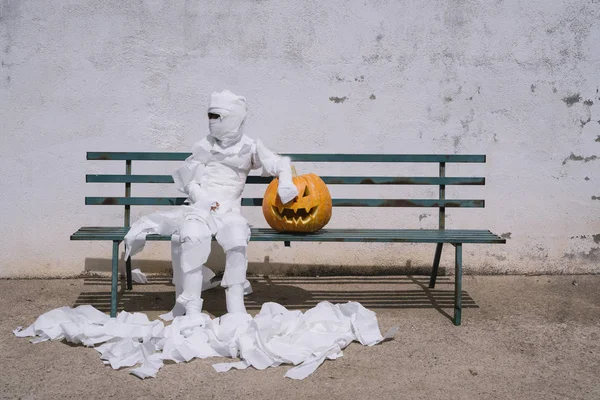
[(276, 165)]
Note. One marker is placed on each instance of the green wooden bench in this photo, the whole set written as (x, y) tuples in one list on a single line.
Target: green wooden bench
[(438, 236)]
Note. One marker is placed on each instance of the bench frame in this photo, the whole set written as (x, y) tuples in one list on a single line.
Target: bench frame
[(438, 236)]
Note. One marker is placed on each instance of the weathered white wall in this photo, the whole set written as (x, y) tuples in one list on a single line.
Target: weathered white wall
[(516, 80)]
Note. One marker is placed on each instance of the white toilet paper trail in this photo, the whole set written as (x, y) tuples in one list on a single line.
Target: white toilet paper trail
[(273, 337)]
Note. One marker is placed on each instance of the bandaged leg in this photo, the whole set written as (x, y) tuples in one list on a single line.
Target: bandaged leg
[(207, 274), (178, 309), (195, 238), (190, 297), (233, 236), (234, 278)]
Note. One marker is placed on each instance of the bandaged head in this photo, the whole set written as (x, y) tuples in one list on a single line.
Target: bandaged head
[(227, 128)]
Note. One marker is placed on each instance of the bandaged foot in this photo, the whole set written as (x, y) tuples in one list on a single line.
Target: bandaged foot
[(192, 305), (190, 298), (234, 297)]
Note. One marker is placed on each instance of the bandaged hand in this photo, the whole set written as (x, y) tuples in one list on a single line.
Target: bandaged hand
[(205, 204), (287, 191), (286, 188), (202, 205)]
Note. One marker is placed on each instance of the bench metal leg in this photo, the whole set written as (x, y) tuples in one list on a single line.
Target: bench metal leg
[(458, 284), (436, 265), (115, 276), (128, 271)]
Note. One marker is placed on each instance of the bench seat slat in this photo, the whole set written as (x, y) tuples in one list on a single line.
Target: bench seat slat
[(180, 156), (325, 235), (330, 180), (121, 229), (257, 201)]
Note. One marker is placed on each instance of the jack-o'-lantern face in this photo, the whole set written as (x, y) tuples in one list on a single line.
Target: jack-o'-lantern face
[(309, 212)]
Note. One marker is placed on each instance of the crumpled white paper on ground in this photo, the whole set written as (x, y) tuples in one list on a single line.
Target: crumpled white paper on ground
[(138, 276), (273, 337)]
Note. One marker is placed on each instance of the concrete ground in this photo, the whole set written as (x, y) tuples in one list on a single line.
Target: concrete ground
[(535, 337)]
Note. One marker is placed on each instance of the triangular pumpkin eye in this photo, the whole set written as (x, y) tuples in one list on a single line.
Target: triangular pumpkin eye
[(306, 192)]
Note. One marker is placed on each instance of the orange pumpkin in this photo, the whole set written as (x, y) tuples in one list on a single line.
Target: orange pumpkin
[(308, 212)]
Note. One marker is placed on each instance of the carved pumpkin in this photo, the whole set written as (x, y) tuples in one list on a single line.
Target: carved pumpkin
[(309, 212)]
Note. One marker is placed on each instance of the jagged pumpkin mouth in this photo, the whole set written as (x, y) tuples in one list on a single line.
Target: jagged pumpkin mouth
[(299, 216)]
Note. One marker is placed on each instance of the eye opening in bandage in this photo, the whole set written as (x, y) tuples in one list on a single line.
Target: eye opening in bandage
[(220, 111)]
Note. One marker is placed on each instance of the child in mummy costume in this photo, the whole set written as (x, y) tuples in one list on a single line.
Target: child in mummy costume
[(213, 177)]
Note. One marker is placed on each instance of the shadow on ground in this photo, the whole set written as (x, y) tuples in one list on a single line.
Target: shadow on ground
[(216, 262), (292, 292)]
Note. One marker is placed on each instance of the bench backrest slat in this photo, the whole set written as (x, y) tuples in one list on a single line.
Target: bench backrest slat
[(441, 180), (372, 158), (257, 201), (330, 180)]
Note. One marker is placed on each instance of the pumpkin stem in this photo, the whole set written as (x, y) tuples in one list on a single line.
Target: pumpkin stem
[(294, 173)]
